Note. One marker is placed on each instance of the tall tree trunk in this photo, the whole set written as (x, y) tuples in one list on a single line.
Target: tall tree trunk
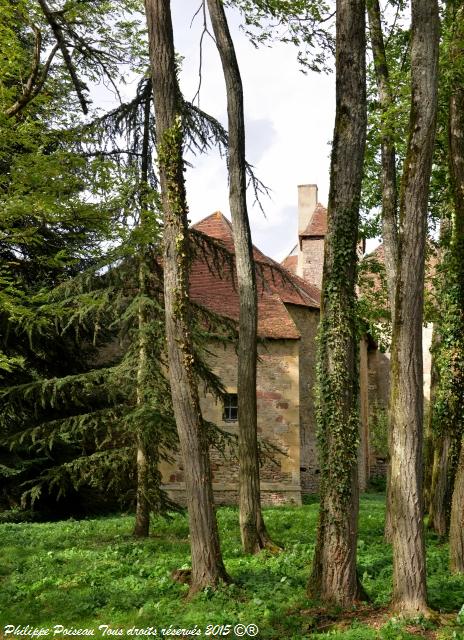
[(389, 185), (456, 162), (443, 441), (456, 536), (406, 400), (252, 529), (142, 511), (334, 576), (432, 440), (441, 490), (207, 565)]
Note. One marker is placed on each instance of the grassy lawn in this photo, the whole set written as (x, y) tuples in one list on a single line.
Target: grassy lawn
[(82, 574)]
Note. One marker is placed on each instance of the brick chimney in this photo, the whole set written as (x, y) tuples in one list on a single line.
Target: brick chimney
[(307, 200)]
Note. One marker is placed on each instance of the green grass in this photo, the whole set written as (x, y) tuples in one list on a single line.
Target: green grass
[(92, 572)]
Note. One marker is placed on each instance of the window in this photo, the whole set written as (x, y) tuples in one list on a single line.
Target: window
[(230, 407)]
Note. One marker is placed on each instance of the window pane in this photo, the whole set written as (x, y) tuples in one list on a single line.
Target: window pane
[(230, 407)]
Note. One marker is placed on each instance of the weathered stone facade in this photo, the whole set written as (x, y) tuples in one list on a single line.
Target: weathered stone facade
[(278, 425), (307, 322)]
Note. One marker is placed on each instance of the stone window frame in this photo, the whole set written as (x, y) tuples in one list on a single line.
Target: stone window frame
[(230, 407)]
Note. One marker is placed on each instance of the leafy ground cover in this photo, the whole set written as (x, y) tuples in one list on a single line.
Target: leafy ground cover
[(83, 574)]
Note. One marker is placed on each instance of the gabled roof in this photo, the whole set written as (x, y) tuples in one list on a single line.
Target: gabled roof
[(276, 286), (317, 226)]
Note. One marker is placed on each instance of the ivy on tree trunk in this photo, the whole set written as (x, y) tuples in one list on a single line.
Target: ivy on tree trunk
[(388, 183), (456, 162), (334, 577), (207, 565)]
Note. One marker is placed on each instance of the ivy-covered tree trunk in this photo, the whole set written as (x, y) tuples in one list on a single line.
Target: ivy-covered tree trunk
[(252, 529), (334, 576), (456, 163), (388, 182), (406, 400), (207, 565)]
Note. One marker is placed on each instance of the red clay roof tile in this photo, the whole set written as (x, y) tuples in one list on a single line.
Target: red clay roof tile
[(290, 263), (276, 285), (318, 224)]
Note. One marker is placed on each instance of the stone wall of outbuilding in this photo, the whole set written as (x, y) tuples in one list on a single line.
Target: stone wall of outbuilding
[(278, 426)]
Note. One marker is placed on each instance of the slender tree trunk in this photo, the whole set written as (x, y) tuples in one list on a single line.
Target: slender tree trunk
[(334, 576), (456, 537), (142, 512), (252, 529), (406, 400), (389, 188), (456, 163), (431, 437), (207, 565), (443, 476), (441, 463)]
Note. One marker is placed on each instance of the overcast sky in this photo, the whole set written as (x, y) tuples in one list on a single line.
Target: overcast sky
[(289, 123)]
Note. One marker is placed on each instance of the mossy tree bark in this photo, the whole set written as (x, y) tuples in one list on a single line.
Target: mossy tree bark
[(406, 401), (389, 184), (334, 576), (207, 565), (252, 529), (456, 163)]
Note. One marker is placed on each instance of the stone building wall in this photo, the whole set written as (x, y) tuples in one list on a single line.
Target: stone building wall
[(307, 322), (379, 390), (278, 424), (311, 260)]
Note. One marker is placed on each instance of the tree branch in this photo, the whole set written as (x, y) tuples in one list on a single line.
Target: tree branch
[(79, 86), (33, 85)]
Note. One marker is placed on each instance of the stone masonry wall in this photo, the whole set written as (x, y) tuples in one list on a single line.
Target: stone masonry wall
[(311, 260), (307, 322), (278, 424), (379, 390)]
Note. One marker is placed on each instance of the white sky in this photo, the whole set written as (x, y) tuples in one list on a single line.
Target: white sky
[(289, 123)]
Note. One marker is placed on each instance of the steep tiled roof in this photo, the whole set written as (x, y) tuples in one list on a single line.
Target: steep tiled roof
[(290, 263), (318, 224), (276, 285)]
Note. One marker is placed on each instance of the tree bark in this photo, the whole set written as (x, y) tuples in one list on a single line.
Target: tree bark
[(456, 164), (456, 537), (406, 400), (207, 565), (334, 576), (252, 529), (441, 491), (142, 512), (389, 186)]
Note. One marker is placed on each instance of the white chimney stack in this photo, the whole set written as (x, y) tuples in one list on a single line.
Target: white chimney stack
[(307, 200)]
